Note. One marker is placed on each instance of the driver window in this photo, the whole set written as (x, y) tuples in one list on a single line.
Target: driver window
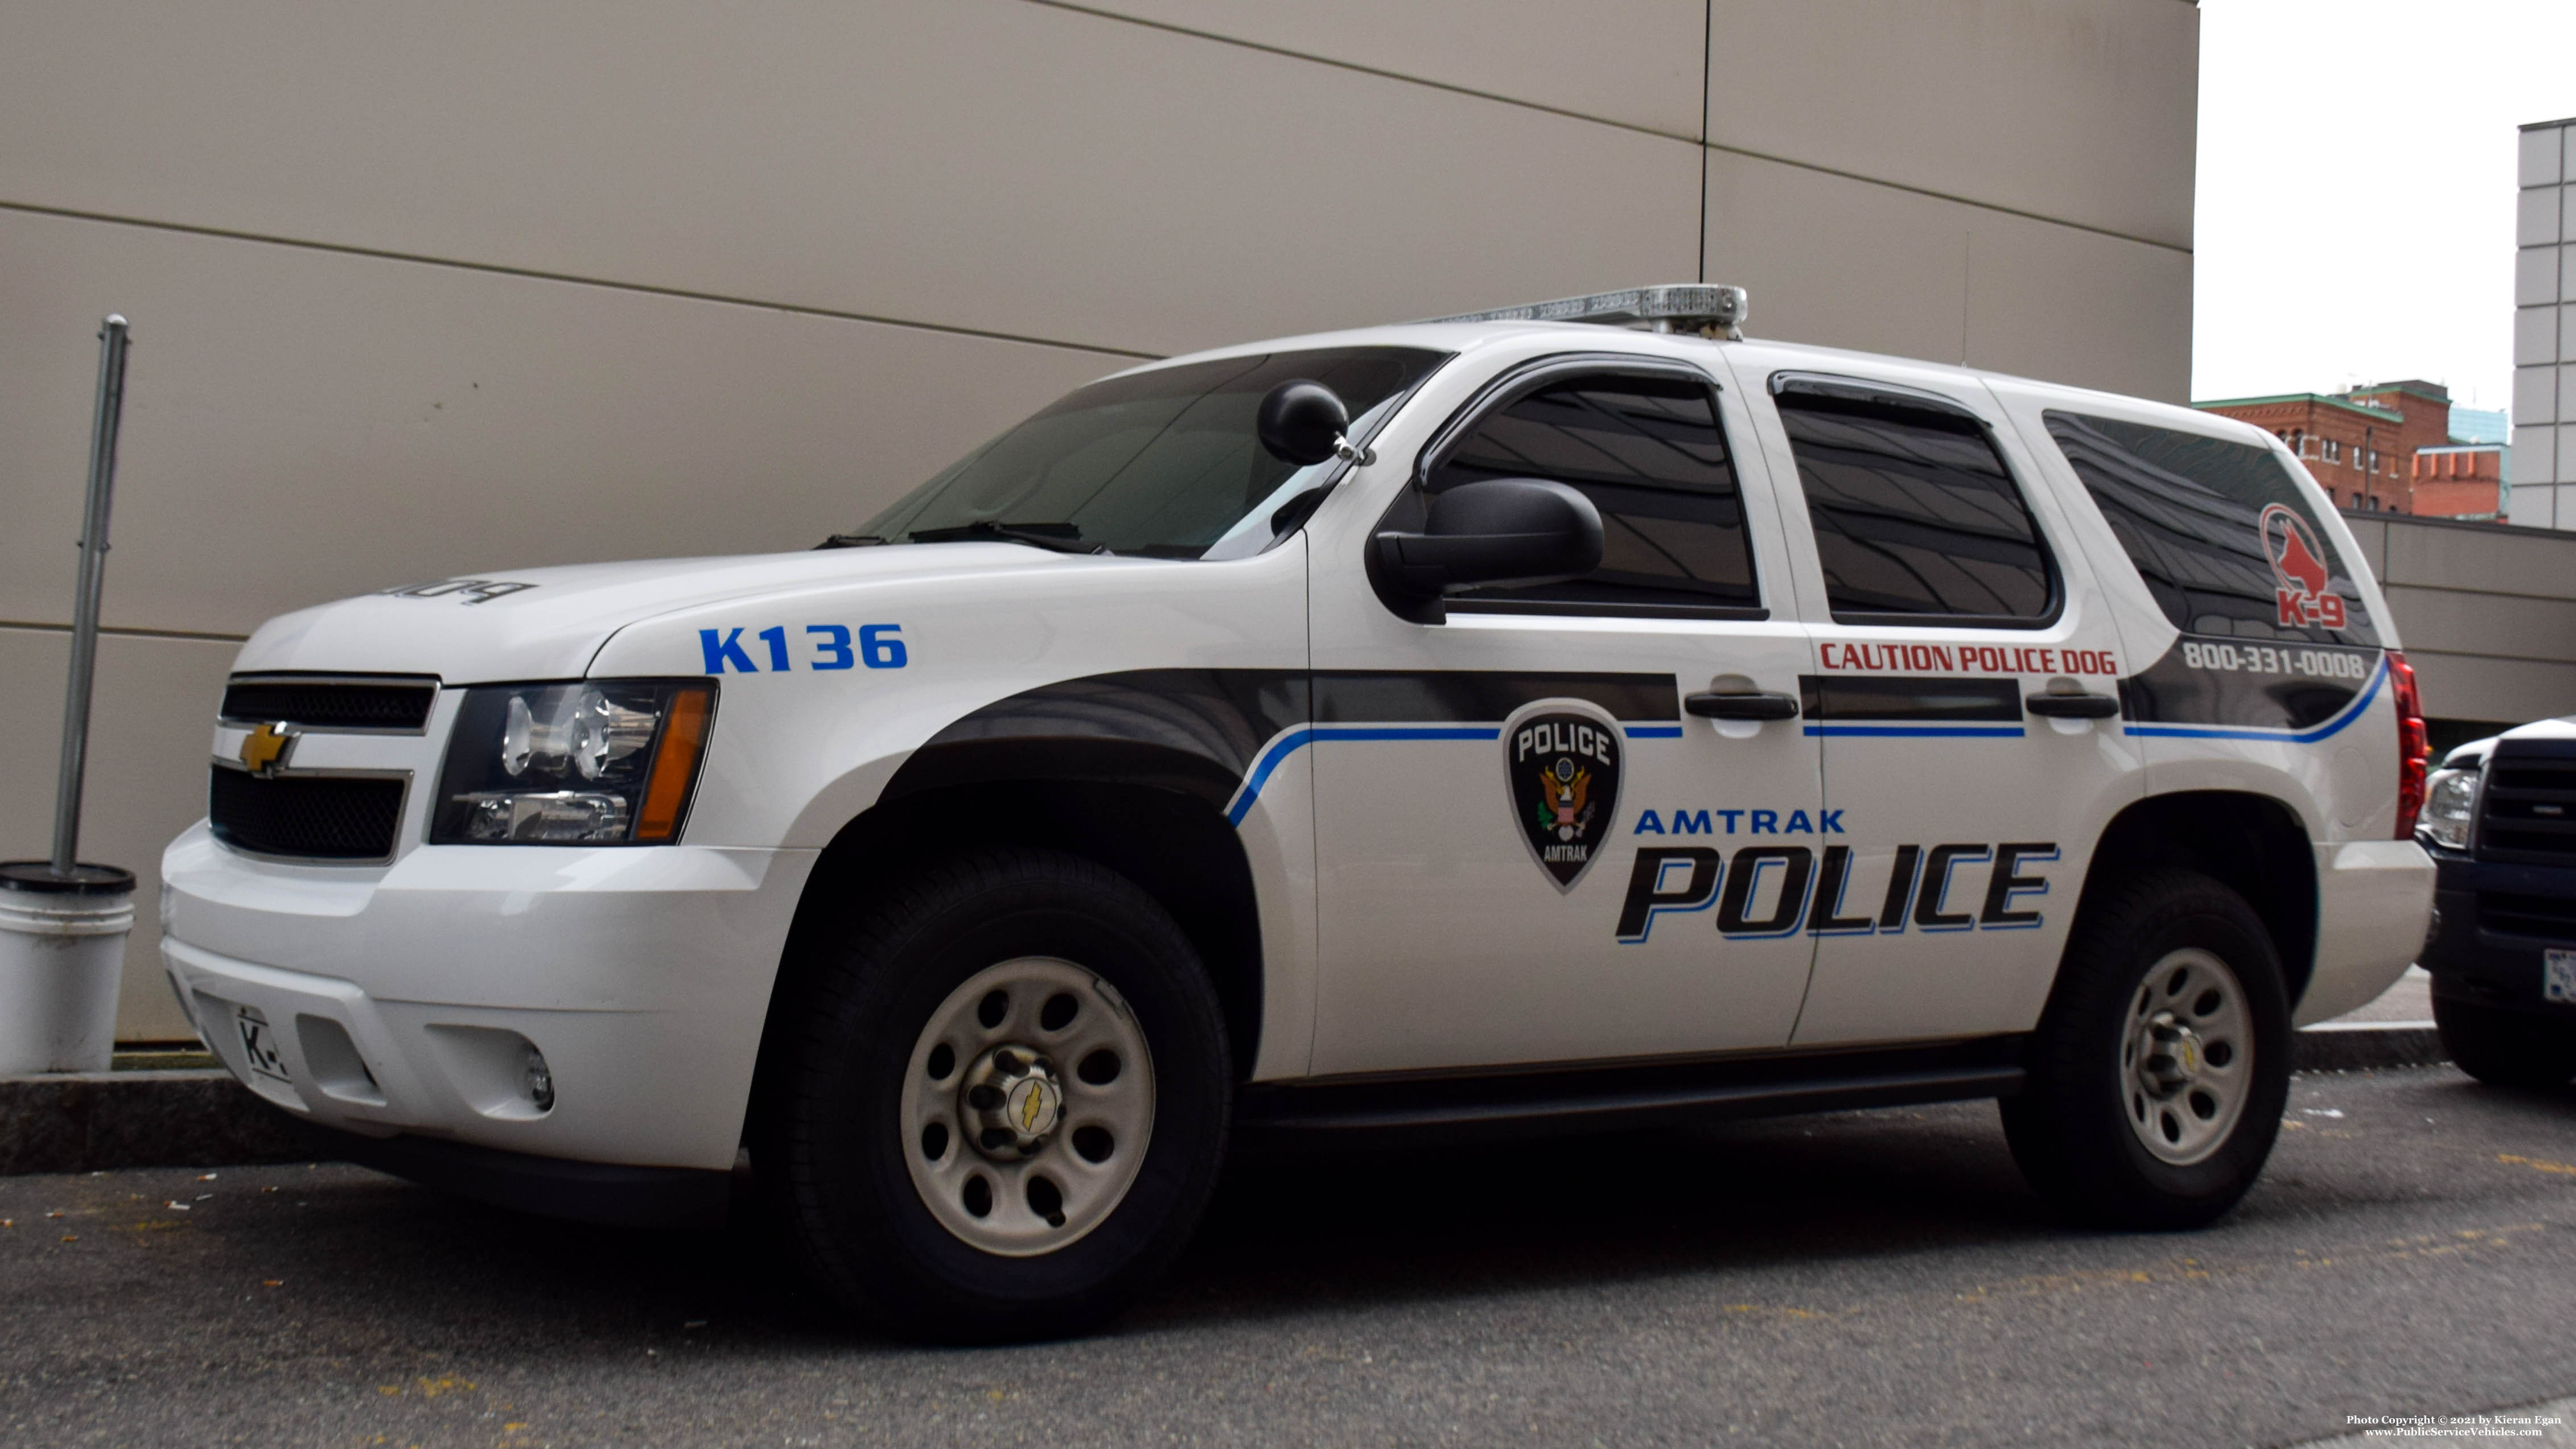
[(1650, 454)]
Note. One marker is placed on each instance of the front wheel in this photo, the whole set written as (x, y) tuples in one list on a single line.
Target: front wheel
[(997, 1103), (2160, 1068)]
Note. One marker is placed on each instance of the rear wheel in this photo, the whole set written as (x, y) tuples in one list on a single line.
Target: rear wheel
[(998, 1101), (2506, 1048), (2159, 1071)]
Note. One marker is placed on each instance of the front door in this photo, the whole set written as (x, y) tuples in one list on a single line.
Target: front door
[(1527, 851), (1964, 688)]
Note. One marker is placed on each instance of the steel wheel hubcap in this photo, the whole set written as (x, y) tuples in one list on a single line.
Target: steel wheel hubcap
[(1027, 1106), (1012, 1102), (2187, 1057)]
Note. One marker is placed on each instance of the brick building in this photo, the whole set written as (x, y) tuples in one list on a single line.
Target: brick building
[(2351, 448), (2460, 480), (2361, 446)]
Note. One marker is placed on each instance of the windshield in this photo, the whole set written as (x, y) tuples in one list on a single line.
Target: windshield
[(1163, 463)]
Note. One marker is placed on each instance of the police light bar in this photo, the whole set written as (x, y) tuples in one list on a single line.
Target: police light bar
[(1680, 307)]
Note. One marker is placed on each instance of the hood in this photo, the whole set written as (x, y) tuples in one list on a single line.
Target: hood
[(2563, 728), (2475, 752), (549, 623)]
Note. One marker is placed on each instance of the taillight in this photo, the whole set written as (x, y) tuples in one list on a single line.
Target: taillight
[(2412, 743)]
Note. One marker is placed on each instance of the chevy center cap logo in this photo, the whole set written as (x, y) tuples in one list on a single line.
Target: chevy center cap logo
[(264, 750), (1562, 762), (2301, 589)]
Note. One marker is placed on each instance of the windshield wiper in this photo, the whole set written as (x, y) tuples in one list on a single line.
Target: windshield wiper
[(851, 540), (1056, 537)]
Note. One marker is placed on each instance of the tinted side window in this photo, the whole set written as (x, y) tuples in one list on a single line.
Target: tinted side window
[(1650, 454), (1915, 518), (2220, 532)]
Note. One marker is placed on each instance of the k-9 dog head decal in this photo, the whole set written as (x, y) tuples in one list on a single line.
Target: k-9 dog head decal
[(2301, 587)]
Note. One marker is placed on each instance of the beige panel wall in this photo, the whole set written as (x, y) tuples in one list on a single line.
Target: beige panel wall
[(464, 285), (993, 164), (1852, 263), (2083, 111), (2497, 691), (1633, 62), (154, 712), (304, 425), (2488, 615)]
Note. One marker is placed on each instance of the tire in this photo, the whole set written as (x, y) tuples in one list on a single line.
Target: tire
[(2504, 1048), (2169, 984), (889, 1045)]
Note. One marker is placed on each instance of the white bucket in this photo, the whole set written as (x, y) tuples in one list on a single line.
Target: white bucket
[(62, 952)]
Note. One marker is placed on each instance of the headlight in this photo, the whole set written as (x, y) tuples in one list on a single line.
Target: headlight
[(2450, 808), (597, 763)]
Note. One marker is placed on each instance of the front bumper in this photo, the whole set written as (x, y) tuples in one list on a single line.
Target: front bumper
[(2475, 963), (403, 999)]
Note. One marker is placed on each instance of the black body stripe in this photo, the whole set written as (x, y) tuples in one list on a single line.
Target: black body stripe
[(1478, 697), (1198, 730), (1940, 698), (2171, 691)]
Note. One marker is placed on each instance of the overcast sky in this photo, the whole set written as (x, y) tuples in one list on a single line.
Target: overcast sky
[(2356, 189)]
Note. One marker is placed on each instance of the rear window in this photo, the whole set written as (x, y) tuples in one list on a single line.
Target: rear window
[(2221, 532)]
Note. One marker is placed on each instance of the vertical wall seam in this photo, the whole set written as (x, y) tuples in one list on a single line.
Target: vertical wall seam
[(1707, 82)]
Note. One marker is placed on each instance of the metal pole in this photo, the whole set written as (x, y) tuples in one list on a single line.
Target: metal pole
[(93, 579)]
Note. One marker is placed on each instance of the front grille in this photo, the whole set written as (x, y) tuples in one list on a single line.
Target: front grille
[(2549, 918), (306, 817), (2527, 812), (330, 704)]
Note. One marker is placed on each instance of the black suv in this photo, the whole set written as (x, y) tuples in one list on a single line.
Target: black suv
[(2500, 821)]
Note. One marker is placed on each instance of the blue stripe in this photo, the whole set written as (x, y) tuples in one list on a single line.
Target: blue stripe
[(1296, 739), (1291, 741), (1920, 731), (1406, 732), (2330, 728)]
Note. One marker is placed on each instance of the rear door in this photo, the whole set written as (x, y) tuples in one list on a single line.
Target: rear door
[(1949, 610), (1526, 851)]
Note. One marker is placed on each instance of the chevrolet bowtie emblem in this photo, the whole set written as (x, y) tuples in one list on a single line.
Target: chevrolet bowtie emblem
[(263, 750)]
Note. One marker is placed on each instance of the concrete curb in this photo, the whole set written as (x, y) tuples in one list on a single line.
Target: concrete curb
[(201, 1117), (2358, 1045), (94, 1121)]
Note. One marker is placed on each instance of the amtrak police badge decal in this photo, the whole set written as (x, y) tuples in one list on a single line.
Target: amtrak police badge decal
[(1562, 760)]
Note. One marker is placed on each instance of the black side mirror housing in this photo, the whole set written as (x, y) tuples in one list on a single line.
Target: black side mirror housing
[(1302, 422), (1510, 532)]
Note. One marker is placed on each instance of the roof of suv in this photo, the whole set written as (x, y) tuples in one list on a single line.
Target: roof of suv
[(1469, 336)]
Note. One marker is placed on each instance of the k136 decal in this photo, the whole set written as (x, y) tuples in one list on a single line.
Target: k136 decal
[(819, 646)]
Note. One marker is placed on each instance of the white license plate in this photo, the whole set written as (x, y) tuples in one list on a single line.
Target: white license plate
[(259, 1042), (2558, 976)]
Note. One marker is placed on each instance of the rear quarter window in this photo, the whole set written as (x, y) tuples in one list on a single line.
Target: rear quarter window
[(2222, 534), (1917, 521)]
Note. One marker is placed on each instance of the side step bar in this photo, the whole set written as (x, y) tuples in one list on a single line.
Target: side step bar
[(1456, 1107)]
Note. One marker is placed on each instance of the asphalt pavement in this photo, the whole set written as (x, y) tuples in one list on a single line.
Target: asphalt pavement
[(1866, 1278)]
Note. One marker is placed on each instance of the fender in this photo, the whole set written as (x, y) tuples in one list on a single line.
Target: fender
[(1194, 731)]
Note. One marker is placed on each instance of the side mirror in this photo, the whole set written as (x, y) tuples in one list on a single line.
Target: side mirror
[(1506, 531), (1302, 422)]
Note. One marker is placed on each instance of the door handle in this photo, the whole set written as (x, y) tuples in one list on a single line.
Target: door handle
[(2073, 706), (1741, 706)]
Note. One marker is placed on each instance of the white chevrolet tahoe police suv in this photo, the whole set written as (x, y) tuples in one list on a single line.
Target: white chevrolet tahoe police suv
[(1571, 717)]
